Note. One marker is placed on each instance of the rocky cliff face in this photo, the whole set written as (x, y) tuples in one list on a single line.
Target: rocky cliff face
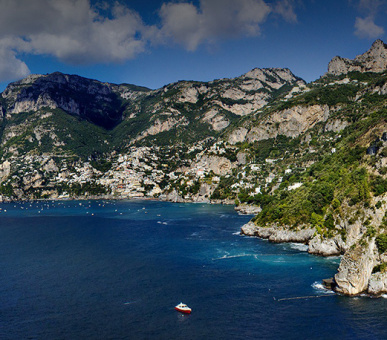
[(99, 103), (278, 234), (355, 269), (290, 123), (374, 60)]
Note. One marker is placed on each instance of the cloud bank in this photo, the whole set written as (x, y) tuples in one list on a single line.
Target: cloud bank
[(215, 19), (366, 27), (76, 32)]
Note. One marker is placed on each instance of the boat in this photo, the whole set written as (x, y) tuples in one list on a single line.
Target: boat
[(183, 308)]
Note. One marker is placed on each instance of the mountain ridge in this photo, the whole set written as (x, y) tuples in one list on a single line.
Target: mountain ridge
[(373, 60), (108, 105)]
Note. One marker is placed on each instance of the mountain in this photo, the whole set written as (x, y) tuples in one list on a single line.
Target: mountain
[(99, 103), (374, 60), (49, 106), (309, 159)]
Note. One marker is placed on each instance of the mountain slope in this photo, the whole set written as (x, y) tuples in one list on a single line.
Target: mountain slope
[(187, 111), (99, 103)]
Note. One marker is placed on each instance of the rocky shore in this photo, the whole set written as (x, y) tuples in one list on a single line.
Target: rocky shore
[(246, 209), (361, 269), (278, 235)]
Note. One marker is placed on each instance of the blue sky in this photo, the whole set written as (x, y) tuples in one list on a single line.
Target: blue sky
[(153, 43)]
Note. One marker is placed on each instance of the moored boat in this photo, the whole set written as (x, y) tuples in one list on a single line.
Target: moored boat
[(183, 308)]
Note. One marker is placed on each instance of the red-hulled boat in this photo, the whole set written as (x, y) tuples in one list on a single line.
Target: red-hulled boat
[(183, 308)]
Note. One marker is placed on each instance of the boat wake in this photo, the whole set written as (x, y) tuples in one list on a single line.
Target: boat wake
[(225, 257), (129, 303)]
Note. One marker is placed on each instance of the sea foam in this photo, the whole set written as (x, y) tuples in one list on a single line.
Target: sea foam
[(321, 289), (299, 246)]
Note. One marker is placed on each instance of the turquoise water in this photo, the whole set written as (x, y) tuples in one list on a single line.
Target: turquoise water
[(115, 270)]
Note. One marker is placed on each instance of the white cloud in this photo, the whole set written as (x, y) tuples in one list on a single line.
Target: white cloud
[(76, 32), (10, 66), (366, 28), (190, 26), (370, 5), (286, 8), (70, 30)]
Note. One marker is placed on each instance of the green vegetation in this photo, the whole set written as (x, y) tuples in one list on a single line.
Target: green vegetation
[(379, 185), (101, 165), (78, 189), (381, 243), (332, 180), (6, 189), (223, 190), (380, 268)]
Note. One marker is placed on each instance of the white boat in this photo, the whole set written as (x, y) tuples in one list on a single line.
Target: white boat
[(183, 308)]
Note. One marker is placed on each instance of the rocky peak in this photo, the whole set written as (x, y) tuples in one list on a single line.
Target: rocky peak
[(374, 60), (87, 98), (272, 75)]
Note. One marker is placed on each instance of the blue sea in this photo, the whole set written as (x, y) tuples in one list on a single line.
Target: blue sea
[(116, 269)]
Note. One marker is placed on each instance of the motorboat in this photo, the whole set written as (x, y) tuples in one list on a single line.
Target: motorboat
[(183, 308)]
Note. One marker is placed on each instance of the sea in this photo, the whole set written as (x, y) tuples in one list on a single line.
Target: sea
[(116, 269)]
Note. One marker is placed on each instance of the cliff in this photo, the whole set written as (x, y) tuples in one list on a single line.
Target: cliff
[(374, 60)]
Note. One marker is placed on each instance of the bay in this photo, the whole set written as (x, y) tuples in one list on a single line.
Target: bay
[(116, 269)]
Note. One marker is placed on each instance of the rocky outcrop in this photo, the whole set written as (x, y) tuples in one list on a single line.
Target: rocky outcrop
[(204, 193), (290, 122), (274, 77), (278, 235), (159, 126), (356, 268), (219, 165), (50, 166), (216, 120), (97, 102), (238, 135), (326, 247), (247, 209), (378, 284), (5, 170), (173, 196), (335, 125), (358, 247), (374, 60)]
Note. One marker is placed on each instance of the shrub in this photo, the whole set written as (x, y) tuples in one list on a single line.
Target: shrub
[(371, 232), (335, 203), (380, 268), (379, 185), (381, 243)]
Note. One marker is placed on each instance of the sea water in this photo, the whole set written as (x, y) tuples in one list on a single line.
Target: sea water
[(116, 269)]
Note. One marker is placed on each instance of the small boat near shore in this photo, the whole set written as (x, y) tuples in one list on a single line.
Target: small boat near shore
[(183, 308)]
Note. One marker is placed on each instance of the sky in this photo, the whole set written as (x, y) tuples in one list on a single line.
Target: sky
[(153, 43)]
